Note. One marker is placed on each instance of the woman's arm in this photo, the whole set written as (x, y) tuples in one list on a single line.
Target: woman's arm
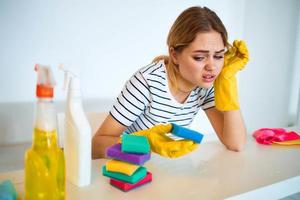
[(107, 135), (229, 126)]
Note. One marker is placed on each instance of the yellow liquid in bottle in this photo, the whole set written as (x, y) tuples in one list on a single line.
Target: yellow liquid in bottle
[(44, 168)]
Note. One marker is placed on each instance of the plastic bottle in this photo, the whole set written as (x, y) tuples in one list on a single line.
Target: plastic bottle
[(44, 161), (77, 139)]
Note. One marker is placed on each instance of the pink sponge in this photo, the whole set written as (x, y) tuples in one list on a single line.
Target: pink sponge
[(128, 186), (115, 152)]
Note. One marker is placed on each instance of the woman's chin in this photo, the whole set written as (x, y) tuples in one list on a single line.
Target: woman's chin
[(206, 85)]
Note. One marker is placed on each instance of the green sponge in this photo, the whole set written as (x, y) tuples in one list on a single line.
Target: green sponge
[(135, 144), (139, 174), (7, 190)]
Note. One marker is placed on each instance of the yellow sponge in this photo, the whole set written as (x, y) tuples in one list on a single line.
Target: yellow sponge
[(121, 167)]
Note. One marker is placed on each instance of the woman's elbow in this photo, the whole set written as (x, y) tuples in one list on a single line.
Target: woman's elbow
[(237, 147)]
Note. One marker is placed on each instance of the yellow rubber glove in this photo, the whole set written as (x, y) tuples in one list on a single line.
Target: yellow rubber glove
[(163, 145), (225, 85)]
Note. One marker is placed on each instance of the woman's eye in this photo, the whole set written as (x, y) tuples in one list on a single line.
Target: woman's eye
[(199, 58), (218, 57)]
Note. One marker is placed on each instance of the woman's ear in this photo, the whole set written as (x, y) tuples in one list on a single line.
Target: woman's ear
[(173, 55)]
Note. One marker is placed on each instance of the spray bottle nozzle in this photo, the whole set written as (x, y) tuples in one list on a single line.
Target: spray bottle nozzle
[(45, 81), (71, 80)]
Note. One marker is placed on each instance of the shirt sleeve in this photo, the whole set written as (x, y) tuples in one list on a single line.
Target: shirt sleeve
[(209, 100), (132, 101)]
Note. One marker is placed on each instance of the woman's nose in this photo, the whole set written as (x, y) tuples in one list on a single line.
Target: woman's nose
[(209, 65)]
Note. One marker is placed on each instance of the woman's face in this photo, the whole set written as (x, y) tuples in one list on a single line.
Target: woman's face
[(202, 60)]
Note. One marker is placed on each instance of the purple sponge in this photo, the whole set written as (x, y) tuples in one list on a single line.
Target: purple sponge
[(115, 151)]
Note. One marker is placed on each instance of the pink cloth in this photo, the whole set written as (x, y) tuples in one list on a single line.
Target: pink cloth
[(270, 135)]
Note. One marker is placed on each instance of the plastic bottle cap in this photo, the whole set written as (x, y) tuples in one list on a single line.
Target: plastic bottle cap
[(45, 81), (43, 91)]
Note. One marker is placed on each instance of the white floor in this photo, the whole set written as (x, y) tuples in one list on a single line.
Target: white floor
[(295, 196)]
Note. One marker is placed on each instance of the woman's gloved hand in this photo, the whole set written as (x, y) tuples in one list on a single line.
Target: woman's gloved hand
[(225, 85), (163, 145)]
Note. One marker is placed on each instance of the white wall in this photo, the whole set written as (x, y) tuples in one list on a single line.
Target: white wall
[(294, 104), (270, 28), (106, 41)]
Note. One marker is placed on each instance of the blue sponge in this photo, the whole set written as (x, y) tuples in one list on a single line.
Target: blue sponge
[(186, 133)]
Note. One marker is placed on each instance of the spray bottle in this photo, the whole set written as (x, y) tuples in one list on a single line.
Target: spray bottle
[(44, 161), (77, 139)]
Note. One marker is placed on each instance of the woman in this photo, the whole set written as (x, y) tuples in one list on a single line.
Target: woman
[(173, 88)]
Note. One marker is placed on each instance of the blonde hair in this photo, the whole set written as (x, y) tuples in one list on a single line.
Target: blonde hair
[(188, 24)]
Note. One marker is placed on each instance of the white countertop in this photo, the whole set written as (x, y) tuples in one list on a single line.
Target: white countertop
[(210, 172)]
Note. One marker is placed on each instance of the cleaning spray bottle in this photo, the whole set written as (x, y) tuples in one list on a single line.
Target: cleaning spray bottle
[(44, 161), (78, 134)]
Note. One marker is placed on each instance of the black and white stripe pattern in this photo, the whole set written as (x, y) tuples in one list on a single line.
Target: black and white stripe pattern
[(146, 100)]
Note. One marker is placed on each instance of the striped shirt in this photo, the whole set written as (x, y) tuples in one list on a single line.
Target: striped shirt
[(146, 100)]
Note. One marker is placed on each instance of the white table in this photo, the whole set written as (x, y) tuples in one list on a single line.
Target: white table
[(210, 172)]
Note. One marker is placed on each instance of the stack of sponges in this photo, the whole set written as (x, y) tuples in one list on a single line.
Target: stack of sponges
[(125, 169)]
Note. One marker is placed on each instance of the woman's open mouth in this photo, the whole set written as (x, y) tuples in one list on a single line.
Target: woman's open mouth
[(208, 78)]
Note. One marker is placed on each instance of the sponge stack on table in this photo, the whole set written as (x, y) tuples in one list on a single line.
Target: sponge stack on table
[(125, 169)]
